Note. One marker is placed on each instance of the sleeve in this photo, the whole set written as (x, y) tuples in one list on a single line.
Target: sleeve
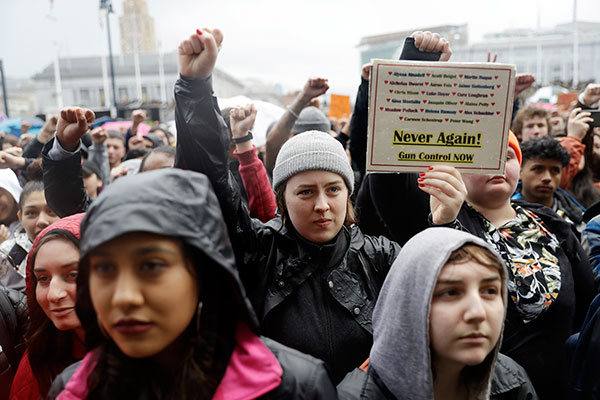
[(202, 146), (358, 127), (63, 182), (33, 149), (261, 198), (99, 156), (591, 243), (575, 149)]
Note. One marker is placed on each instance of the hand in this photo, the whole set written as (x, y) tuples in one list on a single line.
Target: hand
[(8, 160), (198, 54), (117, 172), (431, 42), (447, 190), (591, 94), (72, 124), (242, 120), (4, 233), (490, 58), (25, 127), (578, 123), (314, 87), (99, 135), (138, 116), (48, 129), (14, 151), (25, 139), (365, 72), (522, 82)]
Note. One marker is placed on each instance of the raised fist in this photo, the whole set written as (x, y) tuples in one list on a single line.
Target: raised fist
[(71, 126), (198, 54), (242, 120)]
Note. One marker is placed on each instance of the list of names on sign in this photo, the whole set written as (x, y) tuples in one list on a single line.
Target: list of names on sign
[(424, 113)]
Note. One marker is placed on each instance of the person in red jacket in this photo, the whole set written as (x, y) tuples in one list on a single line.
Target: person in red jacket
[(55, 338)]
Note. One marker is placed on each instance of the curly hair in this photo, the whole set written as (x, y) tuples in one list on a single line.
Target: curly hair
[(545, 148)]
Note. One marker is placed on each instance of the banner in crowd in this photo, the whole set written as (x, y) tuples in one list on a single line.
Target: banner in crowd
[(426, 113), (339, 106)]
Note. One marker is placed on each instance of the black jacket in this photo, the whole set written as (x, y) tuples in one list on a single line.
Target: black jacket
[(509, 382), (273, 262), (14, 320)]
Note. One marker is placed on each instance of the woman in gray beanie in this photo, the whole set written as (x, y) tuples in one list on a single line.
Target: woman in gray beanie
[(312, 276)]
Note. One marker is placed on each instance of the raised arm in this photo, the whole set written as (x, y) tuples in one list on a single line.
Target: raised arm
[(280, 133), (261, 199), (61, 163)]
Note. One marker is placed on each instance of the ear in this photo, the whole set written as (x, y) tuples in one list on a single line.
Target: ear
[(19, 215)]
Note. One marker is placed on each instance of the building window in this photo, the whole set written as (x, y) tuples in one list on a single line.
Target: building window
[(84, 97), (144, 94), (102, 97), (123, 95)]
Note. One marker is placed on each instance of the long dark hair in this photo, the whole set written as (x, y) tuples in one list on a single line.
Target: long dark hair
[(49, 349), (582, 186), (207, 343)]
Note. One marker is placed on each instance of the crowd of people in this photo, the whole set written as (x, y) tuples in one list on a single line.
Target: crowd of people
[(194, 266)]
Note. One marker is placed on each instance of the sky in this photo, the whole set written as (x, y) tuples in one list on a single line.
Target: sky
[(281, 41)]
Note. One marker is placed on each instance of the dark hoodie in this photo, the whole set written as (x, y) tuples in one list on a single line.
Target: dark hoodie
[(400, 361), (182, 204)]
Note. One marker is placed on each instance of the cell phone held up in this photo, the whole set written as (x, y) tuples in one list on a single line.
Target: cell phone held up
[(595, 115)]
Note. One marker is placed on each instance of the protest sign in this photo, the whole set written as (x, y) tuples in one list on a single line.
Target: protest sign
[(426, 113), (339, 106)]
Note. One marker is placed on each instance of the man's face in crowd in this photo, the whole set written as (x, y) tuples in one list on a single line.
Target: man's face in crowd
[(116, 151), (534, 127), (540, 177)]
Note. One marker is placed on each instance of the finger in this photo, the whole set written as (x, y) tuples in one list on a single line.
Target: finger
[(495, 57), (196, 43), (434, 44), (209, 44), (446, 52), (187, 47), (425, 41), (489, 56), (253, 110), (81, 121), (418, 36), (218, 35), (89, 116)]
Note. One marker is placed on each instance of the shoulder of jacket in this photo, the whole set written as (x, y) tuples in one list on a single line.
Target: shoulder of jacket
[(508, 375)]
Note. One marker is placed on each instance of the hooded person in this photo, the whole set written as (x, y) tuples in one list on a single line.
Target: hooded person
[(55, 337), (312, 276), (164, 311), (10, 191), (451, 289)]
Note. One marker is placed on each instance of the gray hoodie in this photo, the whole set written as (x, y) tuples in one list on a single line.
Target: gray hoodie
[(401, 354)]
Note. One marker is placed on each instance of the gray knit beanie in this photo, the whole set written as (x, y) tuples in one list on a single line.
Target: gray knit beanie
[(309, 151), (311, 119)]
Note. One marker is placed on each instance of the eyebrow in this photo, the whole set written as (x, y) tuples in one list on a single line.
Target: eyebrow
[(454, 282), (336, 182), (64, 266)]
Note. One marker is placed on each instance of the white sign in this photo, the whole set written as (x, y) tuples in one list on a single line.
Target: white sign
[(425, 113)]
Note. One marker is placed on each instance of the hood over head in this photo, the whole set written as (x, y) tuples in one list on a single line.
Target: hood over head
[(401, 342), (71, 227), (169, 202), (10, 183)]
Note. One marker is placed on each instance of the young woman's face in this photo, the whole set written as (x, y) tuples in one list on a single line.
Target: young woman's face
[(55, 270), (36, 215), (467, 312), (316, 202), (143, 292), (485, 189)]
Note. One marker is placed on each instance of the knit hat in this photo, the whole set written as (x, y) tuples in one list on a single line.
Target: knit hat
[(312, 150), (514, 143), (311, 119)]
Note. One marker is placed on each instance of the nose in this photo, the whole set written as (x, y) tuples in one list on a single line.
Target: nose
[(43, 220), (475, 310), (321, 203), (57, 290), (546, 178), (127, 293)]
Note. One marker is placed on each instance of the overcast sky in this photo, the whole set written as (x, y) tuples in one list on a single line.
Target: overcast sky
[(275, 41)]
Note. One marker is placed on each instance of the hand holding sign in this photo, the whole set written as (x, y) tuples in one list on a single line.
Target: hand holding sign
[(432, 43), (447, 190)]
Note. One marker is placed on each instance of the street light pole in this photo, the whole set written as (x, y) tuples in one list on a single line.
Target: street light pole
[(107, 5), (4, 94)]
